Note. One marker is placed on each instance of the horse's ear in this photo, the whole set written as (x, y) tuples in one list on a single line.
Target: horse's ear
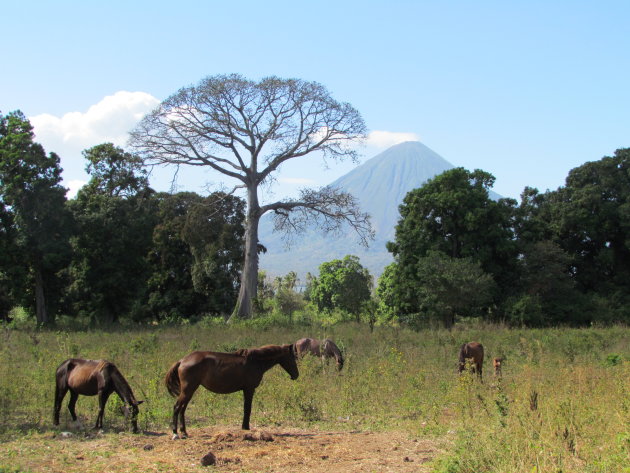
[(139, 402)]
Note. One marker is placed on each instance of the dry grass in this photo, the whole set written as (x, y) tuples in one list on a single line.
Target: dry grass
[(274, 450), (563, 403)]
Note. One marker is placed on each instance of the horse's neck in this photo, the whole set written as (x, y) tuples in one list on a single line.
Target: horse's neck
[(122, 387), (267, 364)]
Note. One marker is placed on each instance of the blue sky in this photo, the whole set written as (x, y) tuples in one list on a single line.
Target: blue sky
[(524, 90)]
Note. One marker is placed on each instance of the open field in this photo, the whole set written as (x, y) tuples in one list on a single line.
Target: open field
[(563, 403)]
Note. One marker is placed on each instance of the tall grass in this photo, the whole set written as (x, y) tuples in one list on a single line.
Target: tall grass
[(563, 403)]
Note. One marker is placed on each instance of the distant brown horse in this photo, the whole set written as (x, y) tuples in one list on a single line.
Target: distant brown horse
[(496, 363), (322, 348), (89, 378), (472, 351), (225, 373)]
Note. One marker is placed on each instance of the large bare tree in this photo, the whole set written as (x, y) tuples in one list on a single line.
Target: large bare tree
[(246, 130)]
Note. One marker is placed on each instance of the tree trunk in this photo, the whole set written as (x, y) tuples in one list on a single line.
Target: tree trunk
[(249, 276), (40, 298)]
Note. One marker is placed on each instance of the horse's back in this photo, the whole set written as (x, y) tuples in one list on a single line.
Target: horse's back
[(309, 346), (472, 350), (218, 372), (82, 375)]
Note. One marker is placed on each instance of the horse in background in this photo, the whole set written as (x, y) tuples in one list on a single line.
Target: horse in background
[(224, 373), (471, 352), (322, 348), (496, 363), (91, 378)]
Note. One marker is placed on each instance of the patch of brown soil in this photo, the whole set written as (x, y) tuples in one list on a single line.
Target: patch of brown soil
[(272, 450), (298, 450)]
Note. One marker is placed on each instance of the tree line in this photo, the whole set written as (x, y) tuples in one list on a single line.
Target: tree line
[(119, 249), (558, 257)]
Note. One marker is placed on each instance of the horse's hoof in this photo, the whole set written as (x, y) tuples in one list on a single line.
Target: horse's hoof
[(175, 437), (183, 435)]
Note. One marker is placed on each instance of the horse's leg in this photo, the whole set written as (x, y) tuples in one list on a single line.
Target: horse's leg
[(73, 402), (179, 409), (248, 396), (182, 419), (60, 392), (175, 416), (103, 395)]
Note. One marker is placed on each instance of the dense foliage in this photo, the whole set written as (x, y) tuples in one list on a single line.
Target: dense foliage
[(119, 251), (342, 284), (561, 257), (34, 220)]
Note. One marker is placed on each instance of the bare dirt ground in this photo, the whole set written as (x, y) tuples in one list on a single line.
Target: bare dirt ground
[(267, 450)]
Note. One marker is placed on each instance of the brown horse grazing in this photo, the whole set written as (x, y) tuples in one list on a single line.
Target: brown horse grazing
[(496, 362), (225, 373), (324, 349), (472, 351), (89, 378)]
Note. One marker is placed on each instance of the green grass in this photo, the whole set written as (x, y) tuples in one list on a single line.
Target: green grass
[(563, 404)]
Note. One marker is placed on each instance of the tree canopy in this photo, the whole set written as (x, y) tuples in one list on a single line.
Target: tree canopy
[(342, 284), (33, 200)]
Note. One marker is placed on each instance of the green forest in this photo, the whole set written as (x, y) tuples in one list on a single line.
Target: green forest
[(120, 252)]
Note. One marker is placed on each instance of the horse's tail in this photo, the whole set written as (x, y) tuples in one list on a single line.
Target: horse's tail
[(462, 357), (172, 380)]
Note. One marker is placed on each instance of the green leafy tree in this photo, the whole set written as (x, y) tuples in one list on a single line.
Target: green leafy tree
[(286, 299), (115, 218), (547, 292), (11, 269), (389, 293), (591, 214), (342, 284), (172, 294), (443, 288), (197, 249), (453, 214), (589, 220), (32, 198), (114, 172), (246, 131), (214, 233)]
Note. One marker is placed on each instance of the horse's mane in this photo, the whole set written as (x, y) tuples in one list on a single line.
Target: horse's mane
[(267, 352), (118, 379), (102, 364)]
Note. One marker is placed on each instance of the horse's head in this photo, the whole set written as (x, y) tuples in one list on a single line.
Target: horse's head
[(289, 363), (130, 409)]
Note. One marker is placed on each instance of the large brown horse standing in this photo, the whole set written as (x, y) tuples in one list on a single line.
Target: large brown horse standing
[(472, 351), (225, 373), (89, 378), (324, 349)]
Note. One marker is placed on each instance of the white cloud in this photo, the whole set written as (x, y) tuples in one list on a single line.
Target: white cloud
[(73, 187), (110, 120), (385, 139)]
